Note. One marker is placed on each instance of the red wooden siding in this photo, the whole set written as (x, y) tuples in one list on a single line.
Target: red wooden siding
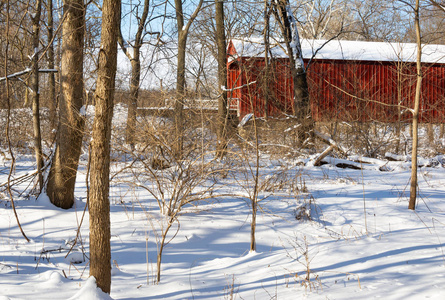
[(339, 89)]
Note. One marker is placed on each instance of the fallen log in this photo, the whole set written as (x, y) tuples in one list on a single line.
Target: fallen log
[(318, 160), (330, 142)]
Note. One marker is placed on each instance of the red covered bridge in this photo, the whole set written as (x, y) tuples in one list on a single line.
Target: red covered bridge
[(348, 80)]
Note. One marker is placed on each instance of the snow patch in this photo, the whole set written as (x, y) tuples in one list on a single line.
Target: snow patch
[(52, 279), (44, 201), (90, 291), (75, 258)]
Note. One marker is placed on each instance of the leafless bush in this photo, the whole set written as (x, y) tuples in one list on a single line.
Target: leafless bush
[(278, 137), (231, 290), (307, 209), (371, 139), (308, 278), (21, 130), (177, 186)]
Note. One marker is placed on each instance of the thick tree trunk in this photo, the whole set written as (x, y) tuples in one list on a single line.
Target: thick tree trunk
[(222, 79), (99, 203), (35, 92), (62, 176), (413, 187)]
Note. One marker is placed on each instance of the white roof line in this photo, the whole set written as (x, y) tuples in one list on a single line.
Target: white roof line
[(347, 50)]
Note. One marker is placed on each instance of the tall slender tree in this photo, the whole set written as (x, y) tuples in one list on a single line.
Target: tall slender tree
[(62, 175), (34, 83), (8, 113), (222, 79), (266, 39), (413, 187), (99, 203), (51, 77), (183, 30), (135, 60), (288, 25)]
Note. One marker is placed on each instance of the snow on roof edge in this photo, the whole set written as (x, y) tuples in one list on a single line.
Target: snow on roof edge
[(346, 50)]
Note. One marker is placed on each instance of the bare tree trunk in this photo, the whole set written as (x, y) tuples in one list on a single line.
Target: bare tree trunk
[(135, 73), (254, 197), (35, 91), (413, 188), (62, 175), (253, 226), (180, 82), (266, 78), (134, 95), (161, 249), (99, 203), (301, 106), (430, 132), (51, 78), (180, 75), (222, 79), (399, 109)]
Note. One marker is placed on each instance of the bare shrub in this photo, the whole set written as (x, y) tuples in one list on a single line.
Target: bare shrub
[(308, 278), (176, 185)]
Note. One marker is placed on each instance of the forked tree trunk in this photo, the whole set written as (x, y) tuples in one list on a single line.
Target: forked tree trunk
[(135, 73), (99, 203), (34, 83), (221, 146), (62, 175), (413, 187)]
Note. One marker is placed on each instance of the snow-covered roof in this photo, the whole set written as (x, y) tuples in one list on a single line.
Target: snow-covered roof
[(345, 50)]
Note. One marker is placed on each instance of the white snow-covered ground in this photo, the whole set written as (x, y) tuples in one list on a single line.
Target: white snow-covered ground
[(361, 242)]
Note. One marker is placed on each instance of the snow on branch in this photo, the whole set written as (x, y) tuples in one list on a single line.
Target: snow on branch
[(295, 42), (26, 71), (238, 87)]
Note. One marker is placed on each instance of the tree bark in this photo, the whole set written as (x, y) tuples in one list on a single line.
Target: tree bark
[(51, 77), (99, 203), (135, 73), (180, 82), (62, 175), (301, 105), (413, 187), (134, 95), (266, 35), (34, 83), (180, 75), (222, 79)]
